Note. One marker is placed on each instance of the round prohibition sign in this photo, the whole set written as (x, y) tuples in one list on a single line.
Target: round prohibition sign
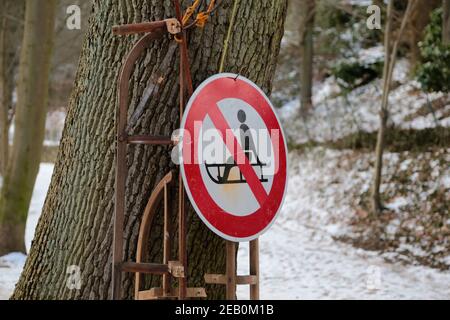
[(234, 157)]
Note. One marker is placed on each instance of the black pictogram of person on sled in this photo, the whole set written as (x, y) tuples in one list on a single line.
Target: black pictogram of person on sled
[(220, 173)]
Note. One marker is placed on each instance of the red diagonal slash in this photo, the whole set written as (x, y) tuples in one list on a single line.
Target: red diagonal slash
[(235, 149)]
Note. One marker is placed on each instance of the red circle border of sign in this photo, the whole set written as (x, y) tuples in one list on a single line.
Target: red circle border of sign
[(230, 227)]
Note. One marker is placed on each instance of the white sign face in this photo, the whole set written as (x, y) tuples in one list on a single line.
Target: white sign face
[(233, 157), (227, 187)]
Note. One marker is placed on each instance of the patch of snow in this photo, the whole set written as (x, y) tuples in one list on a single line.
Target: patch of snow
[(446, 260), (12, 264), (372, 55), (335, 116), (37, 201), (361, 3), (405, 164), (401, 71), (13, 259), (325, 90), (392, 227), (289, 110), (10, 268), (397, 204), (416, 251)]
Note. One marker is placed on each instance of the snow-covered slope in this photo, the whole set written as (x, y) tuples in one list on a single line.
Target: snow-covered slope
[(335, 116)]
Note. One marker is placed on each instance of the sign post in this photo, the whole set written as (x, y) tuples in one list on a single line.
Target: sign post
[(233, 164)]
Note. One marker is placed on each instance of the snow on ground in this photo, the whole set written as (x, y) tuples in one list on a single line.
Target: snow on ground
[(299, 257), (302, 263), (11, 265), (10, 268), (301, 260), (335, 116), (37, 201)]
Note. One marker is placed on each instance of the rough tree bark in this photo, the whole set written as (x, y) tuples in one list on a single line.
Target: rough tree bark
[(307, 53), (390, 58), (29, 124), (11, 29), (76, 223), (446, 22)]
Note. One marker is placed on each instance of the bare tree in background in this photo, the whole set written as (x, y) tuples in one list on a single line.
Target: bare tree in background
[(11, 29), (307, 11), (446, 22), (29, 123), (390, 58)]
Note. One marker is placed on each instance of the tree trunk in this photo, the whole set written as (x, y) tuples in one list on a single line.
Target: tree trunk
[(11, 29), (29, 124), (307, 54), (76, 224), (4, 127), (446, 22), (390, 58), (5, 97), (419, 19)]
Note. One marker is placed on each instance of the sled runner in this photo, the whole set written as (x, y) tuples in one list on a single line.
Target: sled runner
[(173, 267)]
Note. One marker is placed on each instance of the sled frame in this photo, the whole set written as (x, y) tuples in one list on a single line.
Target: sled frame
[(168, 269), (164, 191)]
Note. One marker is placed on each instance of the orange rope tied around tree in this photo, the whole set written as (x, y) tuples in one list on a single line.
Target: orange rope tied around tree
[(190, 11), (202, 17)]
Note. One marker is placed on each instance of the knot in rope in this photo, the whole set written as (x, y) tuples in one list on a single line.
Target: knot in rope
[(202, 17)]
